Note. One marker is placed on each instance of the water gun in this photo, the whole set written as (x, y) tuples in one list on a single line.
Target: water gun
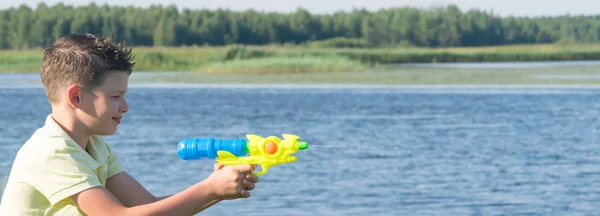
[(266, 152)]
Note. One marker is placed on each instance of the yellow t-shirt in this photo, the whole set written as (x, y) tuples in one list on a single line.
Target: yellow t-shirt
[(50, 167)]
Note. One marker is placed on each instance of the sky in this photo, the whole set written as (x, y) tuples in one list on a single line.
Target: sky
[(501, 7)]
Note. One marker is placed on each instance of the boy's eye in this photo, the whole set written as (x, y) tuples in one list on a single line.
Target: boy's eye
[(117, 97)]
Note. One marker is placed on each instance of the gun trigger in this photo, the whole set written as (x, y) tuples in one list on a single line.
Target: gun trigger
[(264, 169)]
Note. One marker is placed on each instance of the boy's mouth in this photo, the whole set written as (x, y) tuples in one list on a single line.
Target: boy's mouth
[(117, 119)]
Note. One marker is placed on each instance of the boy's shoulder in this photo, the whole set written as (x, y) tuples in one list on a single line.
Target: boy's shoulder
[(51, 153), (50, 142), (51, 167), (41, 145)]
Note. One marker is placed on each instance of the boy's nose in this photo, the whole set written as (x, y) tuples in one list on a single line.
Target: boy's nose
[(125, 107)]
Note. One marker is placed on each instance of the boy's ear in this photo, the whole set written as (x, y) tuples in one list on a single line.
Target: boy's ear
[(74, 94)]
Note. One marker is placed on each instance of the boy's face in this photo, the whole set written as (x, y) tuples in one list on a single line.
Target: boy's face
[(101, 110)]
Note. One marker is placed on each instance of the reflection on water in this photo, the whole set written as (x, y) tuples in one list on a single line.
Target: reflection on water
[(570, 76), (544, 72), (26, 80), (505, 65)]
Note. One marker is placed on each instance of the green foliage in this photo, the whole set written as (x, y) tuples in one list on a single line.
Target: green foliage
[(243, 53), (340, 42), (284, 64), (300, 58), (24, 27)]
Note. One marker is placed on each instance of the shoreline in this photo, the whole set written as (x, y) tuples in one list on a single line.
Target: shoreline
[(247, 59), (176, 85), (578, 77), (525, 65), (353, 86), (507, 75)]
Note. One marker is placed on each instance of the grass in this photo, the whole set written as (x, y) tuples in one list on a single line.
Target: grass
[(285, 64), (20, 61), (395, 75), (293, 59)]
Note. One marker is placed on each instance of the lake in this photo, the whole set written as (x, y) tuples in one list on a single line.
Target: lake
[(376, 150)]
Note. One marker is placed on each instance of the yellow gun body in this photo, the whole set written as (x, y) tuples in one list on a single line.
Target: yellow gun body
[(265, 151)]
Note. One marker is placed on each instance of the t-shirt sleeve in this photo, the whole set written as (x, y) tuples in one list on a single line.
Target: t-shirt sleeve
[(114, 165), (63, 173)]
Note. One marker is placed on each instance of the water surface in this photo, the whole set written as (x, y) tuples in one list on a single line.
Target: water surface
[(374, 151)]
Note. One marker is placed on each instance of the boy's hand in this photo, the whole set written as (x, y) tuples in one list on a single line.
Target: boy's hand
[(232, 182)]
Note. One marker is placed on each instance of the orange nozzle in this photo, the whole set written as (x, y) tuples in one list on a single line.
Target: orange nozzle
[(270, 148)]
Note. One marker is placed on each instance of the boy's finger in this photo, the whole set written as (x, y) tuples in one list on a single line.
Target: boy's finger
[(248, 185), (245, 168), (252, 178), (218, 166), (245, 194)]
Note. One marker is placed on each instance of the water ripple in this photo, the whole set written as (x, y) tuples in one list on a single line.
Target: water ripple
[(380, 151)]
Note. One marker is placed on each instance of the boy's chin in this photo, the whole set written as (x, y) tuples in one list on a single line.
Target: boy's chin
[(107, 132)]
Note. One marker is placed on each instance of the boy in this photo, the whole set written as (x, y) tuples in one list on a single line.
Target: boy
[(66, 168)]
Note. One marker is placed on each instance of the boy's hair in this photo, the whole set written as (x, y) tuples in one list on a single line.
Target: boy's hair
[(82, 59)]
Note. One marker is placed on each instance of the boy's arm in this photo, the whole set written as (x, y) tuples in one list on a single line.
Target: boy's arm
[(99, 200), (208, 205), (131, 193)]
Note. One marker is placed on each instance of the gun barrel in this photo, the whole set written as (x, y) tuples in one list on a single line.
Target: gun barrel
[(199, 148)]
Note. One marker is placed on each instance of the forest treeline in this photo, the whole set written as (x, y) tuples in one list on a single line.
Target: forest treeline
[(25, 27)]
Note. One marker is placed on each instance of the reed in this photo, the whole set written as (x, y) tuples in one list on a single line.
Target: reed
[(313, 57)]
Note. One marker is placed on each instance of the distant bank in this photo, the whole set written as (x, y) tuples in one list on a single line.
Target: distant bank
[(510, 74), (289, 59)]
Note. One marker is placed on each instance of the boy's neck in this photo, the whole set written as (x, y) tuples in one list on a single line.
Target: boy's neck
[(71, 126)]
